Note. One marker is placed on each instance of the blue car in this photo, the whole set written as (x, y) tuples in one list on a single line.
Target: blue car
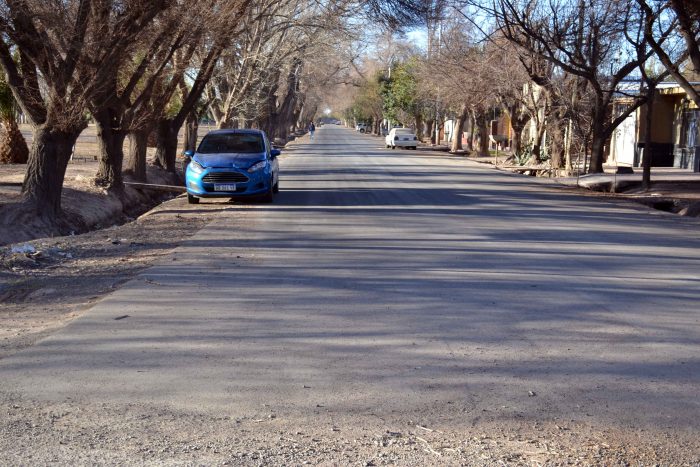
[(232, 164)]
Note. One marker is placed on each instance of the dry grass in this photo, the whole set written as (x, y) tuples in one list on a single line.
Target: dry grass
[(87, 148)]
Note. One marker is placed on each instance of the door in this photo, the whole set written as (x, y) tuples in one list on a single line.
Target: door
[(624, 141)]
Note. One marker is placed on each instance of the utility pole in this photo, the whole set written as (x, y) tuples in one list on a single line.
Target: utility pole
[(437, 119), (438, 29)]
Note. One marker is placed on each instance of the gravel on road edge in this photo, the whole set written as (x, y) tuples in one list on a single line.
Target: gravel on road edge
[(77, 433), (64, 277)]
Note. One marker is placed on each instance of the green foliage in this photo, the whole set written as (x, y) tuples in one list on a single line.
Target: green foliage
[(368, 101), (393, 95), (522, 157), (526, 155), (400, 92)]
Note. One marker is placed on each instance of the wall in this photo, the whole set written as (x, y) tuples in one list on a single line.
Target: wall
[(663, 117)]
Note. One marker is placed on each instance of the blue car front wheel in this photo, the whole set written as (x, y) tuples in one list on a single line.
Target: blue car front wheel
[(269, 195)]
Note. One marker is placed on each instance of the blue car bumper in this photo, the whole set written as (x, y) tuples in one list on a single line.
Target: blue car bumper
[(227, 183)]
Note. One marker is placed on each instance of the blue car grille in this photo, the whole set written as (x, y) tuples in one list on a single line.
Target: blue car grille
[(224, 177)]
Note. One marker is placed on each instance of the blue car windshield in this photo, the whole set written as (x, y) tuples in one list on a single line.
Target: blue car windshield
[(240, 143)]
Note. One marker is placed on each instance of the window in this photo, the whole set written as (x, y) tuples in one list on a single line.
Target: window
[(690, 136), (241, 143)]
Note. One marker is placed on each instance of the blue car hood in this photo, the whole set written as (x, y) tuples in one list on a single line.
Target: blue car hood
[(228, 160)]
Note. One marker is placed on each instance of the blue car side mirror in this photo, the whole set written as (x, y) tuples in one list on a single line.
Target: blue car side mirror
[(189, 154), (274, 153)]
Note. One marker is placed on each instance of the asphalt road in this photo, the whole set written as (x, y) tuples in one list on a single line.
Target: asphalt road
[(406, 287)]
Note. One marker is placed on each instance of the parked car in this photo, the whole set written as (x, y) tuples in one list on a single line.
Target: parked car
[(401, 137), (362, 127), (232, 164)]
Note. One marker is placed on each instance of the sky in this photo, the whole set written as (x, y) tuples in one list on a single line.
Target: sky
[(419, 37)]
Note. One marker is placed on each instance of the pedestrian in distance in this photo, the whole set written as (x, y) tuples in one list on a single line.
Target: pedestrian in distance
[(312, 128)]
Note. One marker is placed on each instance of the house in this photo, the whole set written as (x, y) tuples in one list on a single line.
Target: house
[(500, 131), (675, 131)]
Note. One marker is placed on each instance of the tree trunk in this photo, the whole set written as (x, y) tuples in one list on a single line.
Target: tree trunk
[(166, 146), (295, 120), (217, 113), (46, 170), (598, 140), (556, 143), (646, 158), (597, 149), (517, 141), (138, 149), (270, 114), (225, 124), (472, 132), (518, 124), (459, 129), (298, 122), (191, 132), (419, 126), (13, 147), (285, 112), (483, 122), (111, 154), (536, 157), (430, 124)]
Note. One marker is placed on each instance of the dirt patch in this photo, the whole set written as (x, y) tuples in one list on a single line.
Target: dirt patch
[(86, 206), (676, 198), (108, 434), (47, 282)]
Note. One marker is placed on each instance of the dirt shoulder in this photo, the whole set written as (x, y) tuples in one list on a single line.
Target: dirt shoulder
[(63, 277), (108, 434), (86, 206)]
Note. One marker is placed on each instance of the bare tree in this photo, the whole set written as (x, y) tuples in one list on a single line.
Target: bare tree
[(130, 81), (249, 62), (462, 70), (640, 37), (221, 37), (582, 40), (513, 88), (50, 52), (686, 14)]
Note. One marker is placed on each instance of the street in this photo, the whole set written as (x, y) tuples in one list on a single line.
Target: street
[(389, 306)]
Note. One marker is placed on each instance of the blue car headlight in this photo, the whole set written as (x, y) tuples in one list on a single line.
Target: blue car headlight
[(259, 166), (196, 167)]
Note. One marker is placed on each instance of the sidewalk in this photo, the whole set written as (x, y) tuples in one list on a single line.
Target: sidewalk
[(672, 189), (666, 181)]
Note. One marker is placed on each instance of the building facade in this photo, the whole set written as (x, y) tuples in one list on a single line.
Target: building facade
[(675, 132)]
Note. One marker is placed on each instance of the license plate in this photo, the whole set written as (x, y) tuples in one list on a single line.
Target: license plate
[(227, 187)]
